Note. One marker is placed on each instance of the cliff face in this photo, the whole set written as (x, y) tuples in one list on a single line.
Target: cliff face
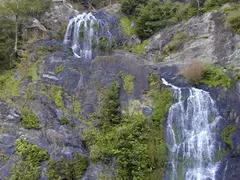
[(56, 86)]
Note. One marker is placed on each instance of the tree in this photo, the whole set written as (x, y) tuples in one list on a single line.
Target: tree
[(20, 9)]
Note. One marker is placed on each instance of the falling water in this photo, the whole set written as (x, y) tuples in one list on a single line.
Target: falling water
[(84, 32), (191, 135)]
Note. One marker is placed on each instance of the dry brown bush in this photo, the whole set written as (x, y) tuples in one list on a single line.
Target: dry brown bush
[(194, 72)]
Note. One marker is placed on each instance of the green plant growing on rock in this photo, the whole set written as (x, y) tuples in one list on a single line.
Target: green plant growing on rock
[(56, 95), (29, 166), (76, 107), (214, 76), (65, 121), (128, 83), (126, 26), (67, 168), (110, 109), (227, 135), (139, 48), (29, 119), (194, 73), (59, 69), (233, 21)]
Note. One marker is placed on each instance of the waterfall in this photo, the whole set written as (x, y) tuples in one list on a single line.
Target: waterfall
[(86, 31), (191, 135)]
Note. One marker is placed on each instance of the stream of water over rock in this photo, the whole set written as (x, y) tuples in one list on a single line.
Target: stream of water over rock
[(91, 30), (191, 135)]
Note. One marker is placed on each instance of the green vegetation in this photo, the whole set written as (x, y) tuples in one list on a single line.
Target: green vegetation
[(28, 167), (156, 15), (233, 21), (110, 109), (136, 143), (64, 121), (67, 168), (139, 48), (76, 107), (126, 26), (175, 44), (56, 95), (29, 119), (129, 6), (60, 35), (59, 69), (208, 74), (213, 5), (227, 135), (128, 83), (162, 102), (152, 80), (214, 76)]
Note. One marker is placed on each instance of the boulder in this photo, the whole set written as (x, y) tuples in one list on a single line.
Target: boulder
[(34, 30)]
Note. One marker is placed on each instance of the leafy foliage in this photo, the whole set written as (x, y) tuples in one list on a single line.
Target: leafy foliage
[(56, 95), (233, 20), (110, 110), (126, 26), (137, 143), (213, 76), (129, 6), (128, 82), (29, 119), (67, 168), (29, 166), (156, 15), (139, 48), (227, 134), (59, 69)]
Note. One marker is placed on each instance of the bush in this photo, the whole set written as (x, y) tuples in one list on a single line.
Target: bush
[(128, 83), (67, 168), (156, 15), (126, 26), (194, 73), (233, 21), (56, 95), (29, 166), (29, 119), (227, 134), (110, 110), (129, 6)]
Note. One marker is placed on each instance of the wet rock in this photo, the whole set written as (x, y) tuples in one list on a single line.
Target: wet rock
[(147, 111)]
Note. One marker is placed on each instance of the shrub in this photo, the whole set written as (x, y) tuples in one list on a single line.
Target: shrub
[(56, 95), (139, 48), (29, 166), (67, 168), (233, 21), (214, 76), (129, 6), (194, 73), (227, 134), (126, 26), (29, 119), (128, 83), (110, 110)]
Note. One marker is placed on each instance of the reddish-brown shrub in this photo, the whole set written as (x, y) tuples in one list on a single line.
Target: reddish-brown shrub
[(194, 72)]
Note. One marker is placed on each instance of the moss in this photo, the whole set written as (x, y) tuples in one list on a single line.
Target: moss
[(128, 83), (28, 167), (76, 108), (29, 119), (56, 95), (126, 26), (67, 168), (152, 80), (236, 76), (238, 46), (59, 69), (139, 48), (219, 155), (213, 76), (64, 121), (180, 171), (227, 135)]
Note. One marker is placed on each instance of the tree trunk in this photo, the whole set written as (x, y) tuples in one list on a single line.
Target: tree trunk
[(16, 35)]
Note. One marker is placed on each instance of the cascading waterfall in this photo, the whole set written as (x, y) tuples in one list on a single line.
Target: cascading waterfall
[(191, 135), (85, 31)]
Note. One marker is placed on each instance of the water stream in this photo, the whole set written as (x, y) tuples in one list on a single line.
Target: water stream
[(191, 135), (85, 31)]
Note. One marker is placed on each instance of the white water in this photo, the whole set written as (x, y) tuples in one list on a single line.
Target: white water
[(83, 31), (191, 135)]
